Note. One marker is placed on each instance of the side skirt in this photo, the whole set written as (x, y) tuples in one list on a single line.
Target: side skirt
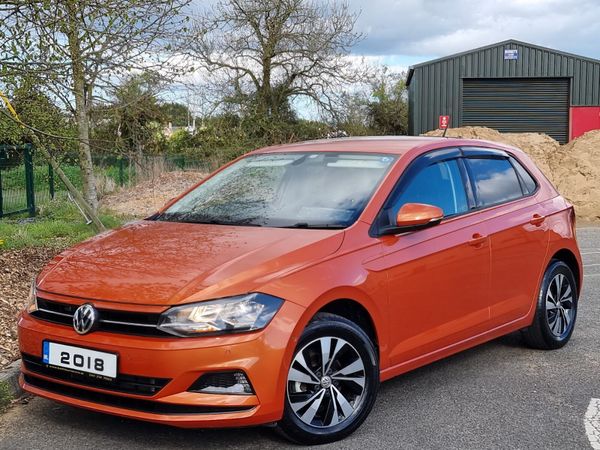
[(473, 341)]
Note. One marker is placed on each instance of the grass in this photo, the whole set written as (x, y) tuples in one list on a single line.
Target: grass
[(59, 224), (5, 396)]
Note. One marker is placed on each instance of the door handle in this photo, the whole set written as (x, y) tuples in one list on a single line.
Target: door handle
[(537, 220), (477, 240)]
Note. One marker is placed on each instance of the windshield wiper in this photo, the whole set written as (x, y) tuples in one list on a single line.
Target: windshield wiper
[(183, 218), (219, 222), (324, 226)]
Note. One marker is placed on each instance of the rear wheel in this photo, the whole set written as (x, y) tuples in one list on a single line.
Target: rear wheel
[(556, 311), (332, 381)]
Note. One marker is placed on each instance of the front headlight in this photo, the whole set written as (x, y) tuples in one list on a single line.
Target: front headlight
[(31, 304), (233, 314)]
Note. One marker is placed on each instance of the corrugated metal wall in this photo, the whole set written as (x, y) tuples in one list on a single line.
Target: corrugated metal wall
[(518, 105), (436, 87)]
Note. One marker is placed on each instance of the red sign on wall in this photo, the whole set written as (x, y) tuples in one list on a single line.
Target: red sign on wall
[(444, 122)]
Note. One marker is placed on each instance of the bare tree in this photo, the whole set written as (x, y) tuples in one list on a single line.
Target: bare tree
[(80, 48), (268, 52)]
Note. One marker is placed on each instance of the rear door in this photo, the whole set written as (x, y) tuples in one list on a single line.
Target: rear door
[(438, 277), (505, 194)]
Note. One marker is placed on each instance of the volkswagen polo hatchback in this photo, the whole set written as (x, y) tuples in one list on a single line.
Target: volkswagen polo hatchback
[(285, 286)]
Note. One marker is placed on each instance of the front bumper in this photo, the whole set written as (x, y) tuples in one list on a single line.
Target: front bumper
[(262, 356)]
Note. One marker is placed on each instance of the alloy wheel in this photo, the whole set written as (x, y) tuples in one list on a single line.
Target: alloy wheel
[(559, 305), (326, 382)]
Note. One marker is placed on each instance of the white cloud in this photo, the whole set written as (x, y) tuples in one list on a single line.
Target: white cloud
[(440, 27)]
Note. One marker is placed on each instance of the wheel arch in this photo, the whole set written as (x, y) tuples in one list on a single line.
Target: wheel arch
[(355, 312), (568, 257)]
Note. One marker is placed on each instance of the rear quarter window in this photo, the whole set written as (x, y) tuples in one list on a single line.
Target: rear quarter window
[(495, 180), (529, 183)]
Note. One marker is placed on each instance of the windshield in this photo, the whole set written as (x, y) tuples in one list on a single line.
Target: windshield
[(301, 190)]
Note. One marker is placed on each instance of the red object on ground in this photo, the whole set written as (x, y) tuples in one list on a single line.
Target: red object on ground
[(584, 119)]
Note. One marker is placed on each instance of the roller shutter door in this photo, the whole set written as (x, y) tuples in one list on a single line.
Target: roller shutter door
[(518, 105)]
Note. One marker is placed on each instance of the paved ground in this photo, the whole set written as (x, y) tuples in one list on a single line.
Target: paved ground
[(499, 395)]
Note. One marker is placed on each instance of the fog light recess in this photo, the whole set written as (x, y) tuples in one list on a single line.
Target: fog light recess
[(234, 382)]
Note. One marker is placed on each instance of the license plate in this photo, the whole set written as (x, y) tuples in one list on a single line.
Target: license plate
[(80, 359)]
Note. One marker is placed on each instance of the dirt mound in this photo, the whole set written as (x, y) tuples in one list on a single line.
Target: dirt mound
[(17, 269), (469, 133), (146, 197), (574, 168)]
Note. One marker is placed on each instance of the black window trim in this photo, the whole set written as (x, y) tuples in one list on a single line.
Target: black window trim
[(469, 185), (459, 154)]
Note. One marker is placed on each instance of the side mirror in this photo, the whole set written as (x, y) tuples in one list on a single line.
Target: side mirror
[(415, 216)]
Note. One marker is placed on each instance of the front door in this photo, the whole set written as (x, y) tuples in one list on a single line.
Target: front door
[(439, 277)]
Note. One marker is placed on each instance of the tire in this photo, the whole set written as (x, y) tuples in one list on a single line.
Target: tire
[(554, 320), (311, 415)]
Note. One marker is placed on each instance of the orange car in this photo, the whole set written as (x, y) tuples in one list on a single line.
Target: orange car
[(284, 287)]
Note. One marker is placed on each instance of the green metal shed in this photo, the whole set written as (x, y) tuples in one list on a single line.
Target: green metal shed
[(511, 86)]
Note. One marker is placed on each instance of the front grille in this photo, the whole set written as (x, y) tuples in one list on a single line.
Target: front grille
[(131, 384), (135, 404), (124, 322)]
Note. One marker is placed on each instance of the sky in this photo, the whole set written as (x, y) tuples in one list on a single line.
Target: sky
[(405, 32), (401, 33)]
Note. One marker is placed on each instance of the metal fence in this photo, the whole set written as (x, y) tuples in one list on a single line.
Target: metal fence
[(27, 181), (17, 191)]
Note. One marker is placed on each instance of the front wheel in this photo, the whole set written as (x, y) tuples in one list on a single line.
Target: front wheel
[(332, 381), (556, 310)]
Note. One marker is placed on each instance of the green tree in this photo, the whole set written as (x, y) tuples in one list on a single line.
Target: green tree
[(35, 108), (388, 111), (137, 116), (176, 113), (79, 47)]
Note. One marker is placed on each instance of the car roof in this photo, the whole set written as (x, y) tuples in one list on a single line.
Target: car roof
[(397, 145)]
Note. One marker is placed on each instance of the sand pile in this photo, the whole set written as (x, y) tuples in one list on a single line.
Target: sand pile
[(573, 168), (576, 174)]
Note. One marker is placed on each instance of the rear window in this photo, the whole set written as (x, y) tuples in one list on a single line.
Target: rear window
[(495, 180)]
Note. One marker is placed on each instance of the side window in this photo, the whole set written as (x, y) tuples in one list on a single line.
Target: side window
[(495, 180), (439, 184), (529, 184)]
